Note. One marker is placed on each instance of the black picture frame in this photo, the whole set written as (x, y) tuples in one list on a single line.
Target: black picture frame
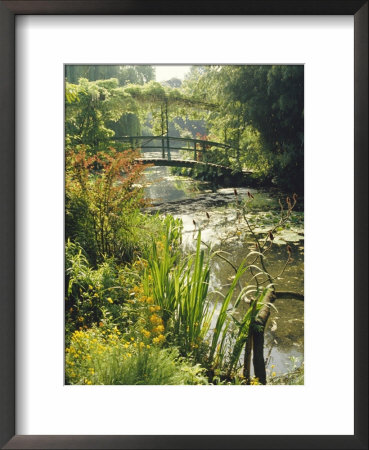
[(8, 11)]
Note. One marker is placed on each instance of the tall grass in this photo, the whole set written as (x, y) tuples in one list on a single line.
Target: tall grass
[(180, 288), (244, 327), (163, 278), (194, 311)]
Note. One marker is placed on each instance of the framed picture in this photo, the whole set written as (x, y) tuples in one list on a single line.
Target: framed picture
[(234, 120)]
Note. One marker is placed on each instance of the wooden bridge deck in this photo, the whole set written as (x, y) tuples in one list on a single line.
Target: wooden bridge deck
[(187, 163)]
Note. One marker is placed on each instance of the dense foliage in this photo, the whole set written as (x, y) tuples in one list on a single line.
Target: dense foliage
[(260, 112)]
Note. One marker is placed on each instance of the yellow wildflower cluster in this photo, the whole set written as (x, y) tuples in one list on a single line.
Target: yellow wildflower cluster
[(159, 339), (93, 350), (254, 381), (154, 308), (158, 329), (145, 299), (137, 290), (156, 320), (146, 333)]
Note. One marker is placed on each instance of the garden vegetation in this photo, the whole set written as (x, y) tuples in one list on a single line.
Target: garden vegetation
[(138, 310)]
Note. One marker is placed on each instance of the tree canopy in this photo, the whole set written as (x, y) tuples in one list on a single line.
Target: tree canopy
[(260, 111)]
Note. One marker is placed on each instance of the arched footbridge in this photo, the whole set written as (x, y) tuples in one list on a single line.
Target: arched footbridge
[(183, 152)]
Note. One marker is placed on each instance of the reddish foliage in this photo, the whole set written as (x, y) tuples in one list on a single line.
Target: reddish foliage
[(107, 183)]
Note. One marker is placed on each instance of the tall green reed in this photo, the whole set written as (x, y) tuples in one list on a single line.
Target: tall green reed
[(180, 286), (194, 312)]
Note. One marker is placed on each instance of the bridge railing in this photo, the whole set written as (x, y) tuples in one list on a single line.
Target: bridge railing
[(167, 144)]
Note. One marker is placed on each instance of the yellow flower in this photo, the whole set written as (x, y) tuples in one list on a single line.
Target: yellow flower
[(159, 339), (146, 333), (273, 374), (110, 300), (147, 346), (155, 320), (132, 339), (159, 329), (90, 287), (142, 345), (80, 319), (89, 382), (272, 366)]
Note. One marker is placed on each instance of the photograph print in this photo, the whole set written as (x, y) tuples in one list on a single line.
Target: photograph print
[(184, 225)]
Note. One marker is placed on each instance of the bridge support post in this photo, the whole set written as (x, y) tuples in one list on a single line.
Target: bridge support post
[(167, 124), (194, 151), (163, 148), (204, 157), (168, 149)]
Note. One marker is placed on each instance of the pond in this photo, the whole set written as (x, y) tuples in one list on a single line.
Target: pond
[(214, 212)]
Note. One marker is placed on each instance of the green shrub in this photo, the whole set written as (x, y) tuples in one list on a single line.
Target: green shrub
[(102, 203)]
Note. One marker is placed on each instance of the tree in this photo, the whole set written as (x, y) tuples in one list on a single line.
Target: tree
[(90, 105), (125, 74), (164, 104), (126, 124), (274, 105), (173, 82), (260, 113)]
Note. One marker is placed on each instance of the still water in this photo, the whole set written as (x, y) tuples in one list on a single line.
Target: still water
[(214, 212)]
